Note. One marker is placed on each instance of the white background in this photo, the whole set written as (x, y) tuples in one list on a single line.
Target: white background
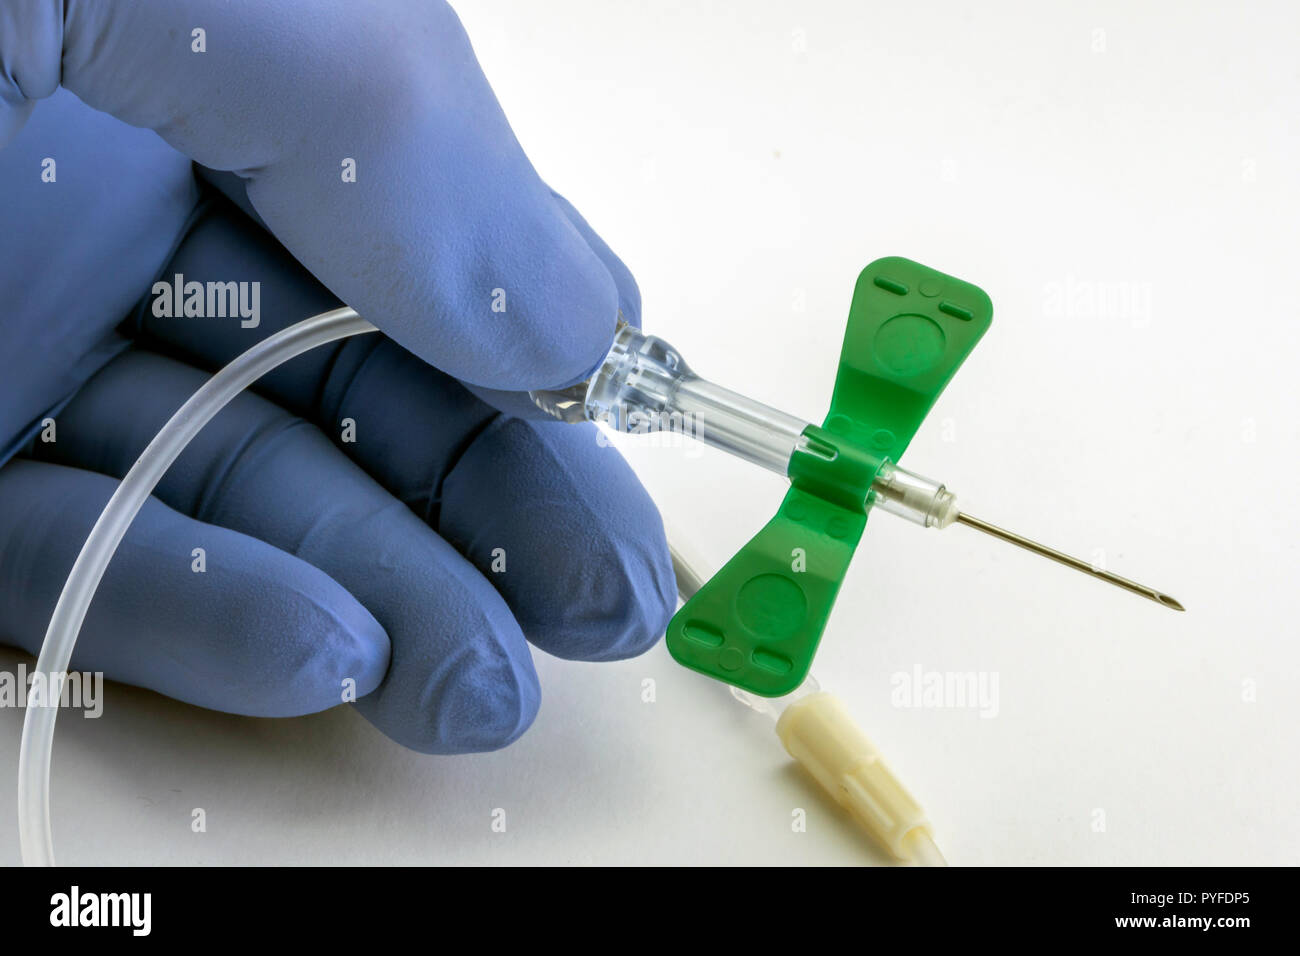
[(1122, 180)]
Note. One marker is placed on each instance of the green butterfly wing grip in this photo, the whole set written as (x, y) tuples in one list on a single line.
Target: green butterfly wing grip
[(757, 623)]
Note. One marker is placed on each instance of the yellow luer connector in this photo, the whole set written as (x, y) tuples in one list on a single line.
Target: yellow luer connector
[(818, 732)]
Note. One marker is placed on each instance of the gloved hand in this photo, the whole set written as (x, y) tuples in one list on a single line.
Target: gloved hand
[(366, 521)]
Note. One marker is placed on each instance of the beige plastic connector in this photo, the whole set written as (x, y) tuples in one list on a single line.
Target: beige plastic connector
[(819, 733)]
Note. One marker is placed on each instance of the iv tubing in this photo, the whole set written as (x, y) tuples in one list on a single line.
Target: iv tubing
[(83, 580)]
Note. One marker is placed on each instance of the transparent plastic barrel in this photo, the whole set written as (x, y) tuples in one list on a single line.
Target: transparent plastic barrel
[(645, 385)]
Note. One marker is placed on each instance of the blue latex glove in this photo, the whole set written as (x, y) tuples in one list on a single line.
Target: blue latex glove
[(375, 561)]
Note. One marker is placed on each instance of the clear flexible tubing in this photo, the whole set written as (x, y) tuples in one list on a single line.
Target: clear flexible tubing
[(128, 499)]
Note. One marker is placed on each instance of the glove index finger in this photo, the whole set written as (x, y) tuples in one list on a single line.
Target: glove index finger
[(396, 181)]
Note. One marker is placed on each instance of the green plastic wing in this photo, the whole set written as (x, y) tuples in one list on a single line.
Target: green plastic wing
[(758, 622)]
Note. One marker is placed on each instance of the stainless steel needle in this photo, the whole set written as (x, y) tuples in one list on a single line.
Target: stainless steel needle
[(1021, 542)]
